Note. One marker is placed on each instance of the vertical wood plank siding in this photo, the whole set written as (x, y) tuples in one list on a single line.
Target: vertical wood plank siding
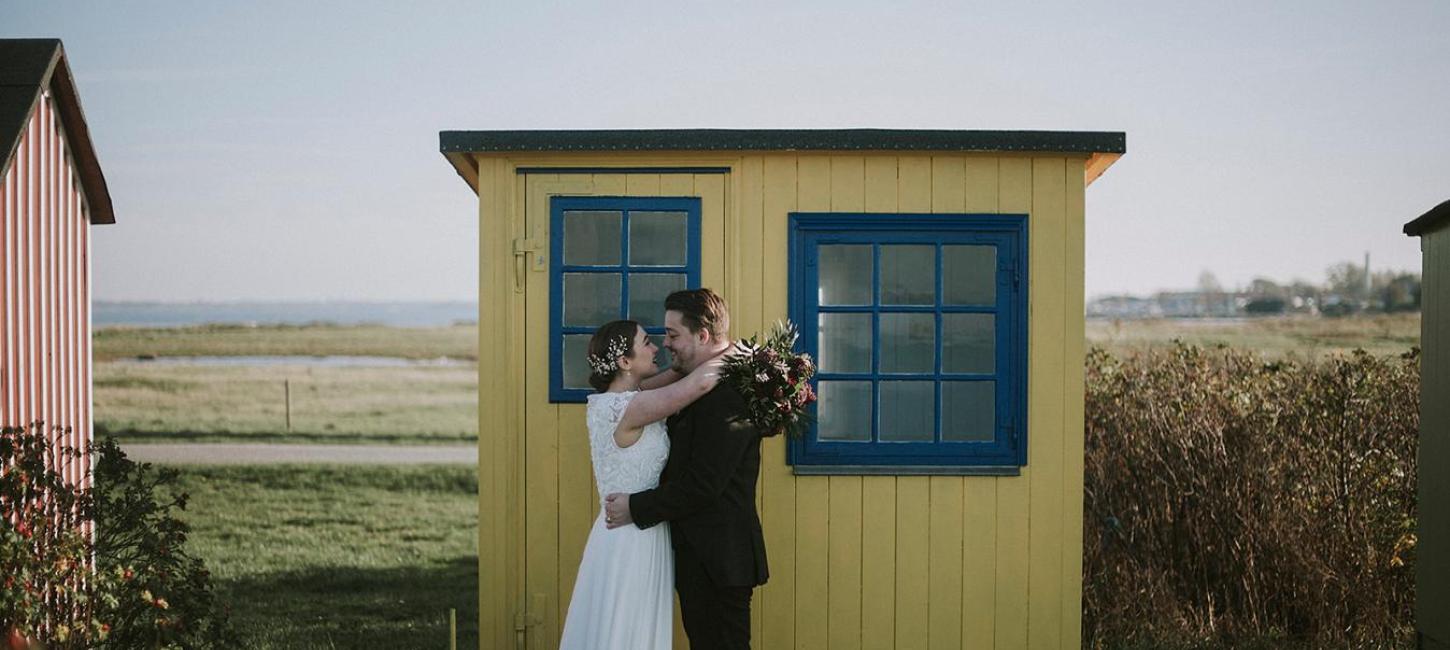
[(1432, 580), (44, 287), (856, 562), (778, 513), (848, 178)]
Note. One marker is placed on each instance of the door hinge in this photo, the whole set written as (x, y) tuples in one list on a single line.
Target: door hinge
[(524, 246), (529, 614)]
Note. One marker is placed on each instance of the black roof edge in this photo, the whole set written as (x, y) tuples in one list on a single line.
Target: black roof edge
[(1431, 220), (1107, 142), (55, 75)]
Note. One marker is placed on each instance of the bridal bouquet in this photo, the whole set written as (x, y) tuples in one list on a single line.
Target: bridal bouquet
[(774, 380)]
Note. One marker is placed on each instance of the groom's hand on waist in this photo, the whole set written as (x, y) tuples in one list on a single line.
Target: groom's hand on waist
[(616, 510)]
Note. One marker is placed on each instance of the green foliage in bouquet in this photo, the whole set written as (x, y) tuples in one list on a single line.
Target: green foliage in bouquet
[(774, 380)]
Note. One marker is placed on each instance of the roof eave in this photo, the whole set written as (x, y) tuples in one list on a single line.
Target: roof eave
[(1082, 142), (58, 80), (1102, 148), (1430, 221), (466, 166)]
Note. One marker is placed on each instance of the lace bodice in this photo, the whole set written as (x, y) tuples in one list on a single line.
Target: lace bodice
[(629, 469)]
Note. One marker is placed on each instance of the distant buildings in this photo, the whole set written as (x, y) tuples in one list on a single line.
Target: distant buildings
[(1397, 293), (1170, 304)]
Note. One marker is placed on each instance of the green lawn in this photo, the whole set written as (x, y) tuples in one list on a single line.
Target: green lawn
[(139, 402), (458, 341), (340, 556)]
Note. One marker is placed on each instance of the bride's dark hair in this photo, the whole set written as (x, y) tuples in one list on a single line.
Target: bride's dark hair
[(604, 361)]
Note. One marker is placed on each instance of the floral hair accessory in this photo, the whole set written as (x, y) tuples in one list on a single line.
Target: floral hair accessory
[(610, 361)]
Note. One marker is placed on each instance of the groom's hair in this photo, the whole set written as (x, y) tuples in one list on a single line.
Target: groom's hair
[(701, 309)]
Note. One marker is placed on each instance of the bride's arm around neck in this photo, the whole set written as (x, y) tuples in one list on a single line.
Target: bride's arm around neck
[(657, 404)]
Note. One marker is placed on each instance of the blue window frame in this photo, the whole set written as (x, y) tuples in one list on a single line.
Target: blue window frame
[(613, 258), (919, 325)]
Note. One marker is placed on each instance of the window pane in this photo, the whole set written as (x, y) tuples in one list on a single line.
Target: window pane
[(908, 410), (843, 410), (969, 275), (591, 237), (657, 238), (968, 343), (576, 360), (647, 293), (969, 411), (908, 275), (845, 342), (845, 275), (590, 299), (908, 343)]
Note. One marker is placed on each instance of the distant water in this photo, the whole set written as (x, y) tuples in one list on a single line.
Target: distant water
[(178, 314)]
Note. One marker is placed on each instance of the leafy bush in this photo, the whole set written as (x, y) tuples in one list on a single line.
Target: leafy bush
[(129, 585), (1230, 500), (165, 597), (45, 545)]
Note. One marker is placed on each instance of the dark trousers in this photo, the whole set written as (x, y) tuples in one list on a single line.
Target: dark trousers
[(714, 617)]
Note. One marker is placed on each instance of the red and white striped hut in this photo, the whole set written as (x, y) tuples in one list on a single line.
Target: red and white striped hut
[(51, 191)]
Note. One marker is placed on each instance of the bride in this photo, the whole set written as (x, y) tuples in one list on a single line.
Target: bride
[(623, 594)]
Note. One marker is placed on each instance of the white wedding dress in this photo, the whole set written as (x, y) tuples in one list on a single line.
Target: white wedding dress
[(623, 597)]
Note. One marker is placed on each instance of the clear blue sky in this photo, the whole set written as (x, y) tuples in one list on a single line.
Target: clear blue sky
[(288, 150)]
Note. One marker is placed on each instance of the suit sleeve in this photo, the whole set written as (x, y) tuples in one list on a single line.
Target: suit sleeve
[(720, 437)]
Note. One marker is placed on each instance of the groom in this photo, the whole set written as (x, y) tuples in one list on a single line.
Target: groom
[(707, 489)]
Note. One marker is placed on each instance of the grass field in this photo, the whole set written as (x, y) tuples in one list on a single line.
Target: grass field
[(340, 556), (140, 402), (457, 342), (1271, 337), (354, 556), (1391, 333)]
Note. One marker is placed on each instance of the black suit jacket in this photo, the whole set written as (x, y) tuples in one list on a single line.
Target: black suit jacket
[(707, 489)]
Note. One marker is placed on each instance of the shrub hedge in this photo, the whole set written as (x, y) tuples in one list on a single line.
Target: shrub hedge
[(1234, 501)]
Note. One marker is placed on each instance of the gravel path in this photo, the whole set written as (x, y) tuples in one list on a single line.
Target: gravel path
[(265, 454)]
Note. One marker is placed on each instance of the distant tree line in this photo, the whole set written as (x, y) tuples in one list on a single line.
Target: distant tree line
[(1348, 288), (1346, 291)]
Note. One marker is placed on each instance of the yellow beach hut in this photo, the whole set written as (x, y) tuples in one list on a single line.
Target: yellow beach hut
[(1432, 563), (936, 275)]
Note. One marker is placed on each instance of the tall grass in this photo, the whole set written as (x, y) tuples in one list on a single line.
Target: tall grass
[(416, 405), (457, 341), (1234, 500)]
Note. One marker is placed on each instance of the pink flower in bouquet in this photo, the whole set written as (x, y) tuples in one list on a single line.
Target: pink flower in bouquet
[(805, 397)]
